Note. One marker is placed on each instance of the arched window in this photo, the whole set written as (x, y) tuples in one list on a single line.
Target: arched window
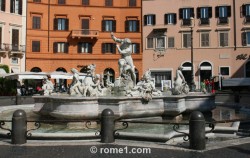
[(84, 69), (109, 75), (187, 73), (61, 69), (205, 71), (36, 69)]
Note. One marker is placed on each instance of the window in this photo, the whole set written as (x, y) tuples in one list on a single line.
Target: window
[(204, 39), (108, 25), (109, 3), (158, 76), (149, 19), (109, 48), (223, 12), (16, 6), (160, 42), (61, 24), (170, 18), (132, 26), (15, 39), (246, 12), (85, 2), (136, 48), (60, 47), (38, 1), (223, 39), (61, 1), (224, 71), (36, 22), (245, 38), (150, 43), (132, 3), (186, 40), (204, 13), (84, 47), (170, 42), (14, 60), (35, 46), (2, 5), (185, 14)]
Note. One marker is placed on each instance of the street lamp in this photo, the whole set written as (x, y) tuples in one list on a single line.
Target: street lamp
[(192, 87)]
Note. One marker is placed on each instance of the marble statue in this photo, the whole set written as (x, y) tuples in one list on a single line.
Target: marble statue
[(47, 87), (75, 85), (180, 84), (126, 65), (145, 88)]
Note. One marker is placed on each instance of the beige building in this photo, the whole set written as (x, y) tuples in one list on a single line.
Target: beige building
[(219, 34), (13, 34)]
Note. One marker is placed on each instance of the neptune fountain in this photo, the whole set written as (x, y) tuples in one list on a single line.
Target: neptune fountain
[(87, 98)]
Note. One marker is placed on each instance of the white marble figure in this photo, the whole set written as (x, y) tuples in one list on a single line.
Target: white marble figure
[(145, 88), (125, 62), (180, 84), (75, 85), (47, 87)]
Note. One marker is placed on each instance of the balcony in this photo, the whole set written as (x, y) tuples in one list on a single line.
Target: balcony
[(186, 22), (15, 49), (204, 21), (84, 33), (223, 20)]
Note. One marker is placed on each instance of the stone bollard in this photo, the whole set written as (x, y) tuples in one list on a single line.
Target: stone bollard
[(107, 126), (197, 131), (19, 127)]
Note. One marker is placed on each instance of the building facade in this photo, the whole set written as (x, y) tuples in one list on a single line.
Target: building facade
[(65, 34), (13, 34), (217, 33)]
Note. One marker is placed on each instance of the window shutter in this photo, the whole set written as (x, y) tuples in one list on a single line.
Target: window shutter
[(198, 13), (244, 10), (20, 7), (192, 12), (55, 24), (103, 48), (113, 48), (217, 12), (11, 6), (66, 24), (79, 44), (55, 47), (126, 26), (66, 47), (137, 48), (90, 47), (154, 19), (145, 20), (114, 25), (174, 18), (165, 19), (180, 13), (244, 38), (210, 13), (138, 26), (3, 5), (228, 11), (103, 25)]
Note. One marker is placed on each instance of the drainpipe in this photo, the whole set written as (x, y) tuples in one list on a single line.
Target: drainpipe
[(234, 25), (48, 23)]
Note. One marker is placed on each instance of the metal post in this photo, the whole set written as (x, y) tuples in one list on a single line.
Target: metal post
[(107, 126), (19, 127), (197, 131)]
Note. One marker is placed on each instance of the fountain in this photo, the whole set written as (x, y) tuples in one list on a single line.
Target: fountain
[(127, 99)]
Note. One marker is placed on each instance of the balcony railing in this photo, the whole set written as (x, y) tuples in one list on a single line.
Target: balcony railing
[(186, 22), (223, 20), (204, 21), (4, 47), (13, 49), (84, 33)]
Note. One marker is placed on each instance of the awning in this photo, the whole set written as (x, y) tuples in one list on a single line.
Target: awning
[(60, 75), (26, 75), (206, 67), (186, 68), (2, 72), (15, 69)]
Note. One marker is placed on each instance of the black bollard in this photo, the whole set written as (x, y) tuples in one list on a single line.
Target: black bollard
[(197, 131), (107, 126), (19, 127)]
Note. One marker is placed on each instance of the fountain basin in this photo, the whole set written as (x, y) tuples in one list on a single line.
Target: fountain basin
[(69, 107)]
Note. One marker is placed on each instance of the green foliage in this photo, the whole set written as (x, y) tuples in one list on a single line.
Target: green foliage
[(7, 87), (6, 68)]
